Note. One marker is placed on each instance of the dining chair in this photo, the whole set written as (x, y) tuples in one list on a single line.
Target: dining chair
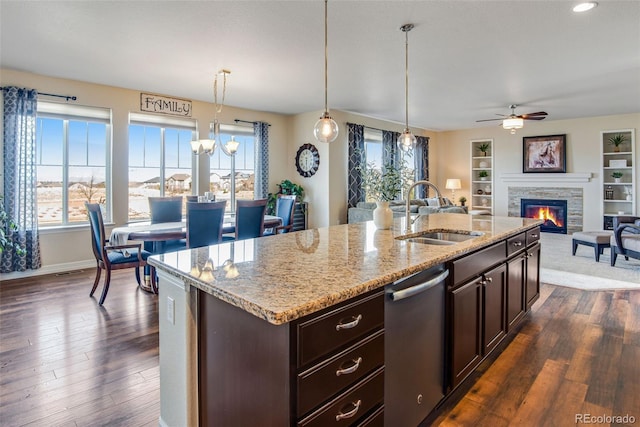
[(204, 223), (113, 257), (166, 209), (192, 198), (285, 207), (249, 219)]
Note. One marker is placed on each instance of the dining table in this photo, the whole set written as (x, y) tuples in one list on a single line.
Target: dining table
[(153, 235)]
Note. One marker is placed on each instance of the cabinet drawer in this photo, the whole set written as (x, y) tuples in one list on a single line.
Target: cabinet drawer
[(516, 243), (471, 265), (328, 332), (351, 406), (533, 236), (348, 367), (376, 419)]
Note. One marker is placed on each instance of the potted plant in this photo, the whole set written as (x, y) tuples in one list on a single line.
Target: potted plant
[(7, 226), (483, 175), (617, 140), (286, 187), (484, 148), (462, 200), (382, 185), (616, 176)]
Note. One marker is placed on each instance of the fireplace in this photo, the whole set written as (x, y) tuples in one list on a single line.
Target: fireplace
[(552, 212)]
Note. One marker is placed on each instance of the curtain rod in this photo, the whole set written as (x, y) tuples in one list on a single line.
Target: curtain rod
[(247, 121), (66, 97)]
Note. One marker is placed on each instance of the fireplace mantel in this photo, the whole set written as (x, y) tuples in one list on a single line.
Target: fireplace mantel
[(546, 177)]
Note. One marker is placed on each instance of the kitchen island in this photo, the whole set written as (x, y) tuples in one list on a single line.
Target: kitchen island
[(241, 324)]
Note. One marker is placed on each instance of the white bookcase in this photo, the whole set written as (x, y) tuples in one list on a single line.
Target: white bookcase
[(618, 194), (481, 175)]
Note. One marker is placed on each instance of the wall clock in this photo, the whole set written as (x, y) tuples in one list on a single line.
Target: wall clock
[(307, 160)]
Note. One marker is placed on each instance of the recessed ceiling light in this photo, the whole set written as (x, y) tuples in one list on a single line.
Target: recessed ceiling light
[(583, 7)]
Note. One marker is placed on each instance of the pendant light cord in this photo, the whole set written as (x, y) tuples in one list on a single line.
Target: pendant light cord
[(325, 57), (406, 28)]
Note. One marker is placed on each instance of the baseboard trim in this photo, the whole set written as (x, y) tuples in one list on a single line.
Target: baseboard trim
[(49, 269)]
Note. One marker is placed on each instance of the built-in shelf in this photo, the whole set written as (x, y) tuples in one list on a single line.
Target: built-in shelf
[(618, 198), (481, 163)]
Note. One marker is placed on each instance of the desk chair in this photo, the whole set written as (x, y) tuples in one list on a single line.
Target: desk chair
[(166, 209), (113, 257), (204, 223), (285, 207), (249, 219)]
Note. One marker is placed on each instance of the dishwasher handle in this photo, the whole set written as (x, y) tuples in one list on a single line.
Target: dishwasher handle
[(413, 290)]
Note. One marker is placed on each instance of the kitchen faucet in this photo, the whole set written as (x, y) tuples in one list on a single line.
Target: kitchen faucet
[(408, 213)]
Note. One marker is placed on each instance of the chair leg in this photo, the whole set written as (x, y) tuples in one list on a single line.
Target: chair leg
[(598, 252), (154, 283), (95, 282), (614, 255), (105, 288), (138, 276), (575, 246)]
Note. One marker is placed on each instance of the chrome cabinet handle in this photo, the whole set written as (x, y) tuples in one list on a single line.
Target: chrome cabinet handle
[(489, 279), (533, 235), (351, 369), (517, 243), (351, 413), (349, 325)]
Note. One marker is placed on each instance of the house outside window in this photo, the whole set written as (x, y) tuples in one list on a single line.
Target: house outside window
[(73, 145), (161, 163), (241, 165)]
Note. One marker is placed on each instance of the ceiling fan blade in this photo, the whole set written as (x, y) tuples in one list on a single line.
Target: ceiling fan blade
[(534, 118), (536, 114), (488, 120)]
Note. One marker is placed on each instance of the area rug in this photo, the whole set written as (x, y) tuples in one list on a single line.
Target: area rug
[(559, 267)]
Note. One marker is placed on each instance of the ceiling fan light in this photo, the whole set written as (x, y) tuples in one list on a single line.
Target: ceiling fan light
[(513, 123), (583, 7), (326, 129), (406, 141)]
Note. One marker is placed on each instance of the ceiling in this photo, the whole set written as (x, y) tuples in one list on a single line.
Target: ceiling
[(468, 60)]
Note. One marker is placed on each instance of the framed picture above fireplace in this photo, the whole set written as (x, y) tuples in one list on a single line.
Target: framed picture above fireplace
[(542, 154)]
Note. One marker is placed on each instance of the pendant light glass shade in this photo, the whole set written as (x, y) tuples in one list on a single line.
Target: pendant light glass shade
[(326, 129), (406, 140)]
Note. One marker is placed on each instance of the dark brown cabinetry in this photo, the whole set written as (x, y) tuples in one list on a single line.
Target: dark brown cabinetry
[(533, 274), (516, 269), (494, 327), (465, 322)]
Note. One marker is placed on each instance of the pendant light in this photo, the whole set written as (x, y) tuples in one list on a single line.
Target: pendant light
[(326, 129), (406, 140)]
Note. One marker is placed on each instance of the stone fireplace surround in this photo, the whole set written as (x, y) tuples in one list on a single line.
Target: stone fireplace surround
[(573, 196)]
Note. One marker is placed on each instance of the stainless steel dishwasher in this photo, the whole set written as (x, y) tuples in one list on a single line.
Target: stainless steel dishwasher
[(414, 347)]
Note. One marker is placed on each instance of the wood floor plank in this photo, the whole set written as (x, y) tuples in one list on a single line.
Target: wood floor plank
[(65, 361)]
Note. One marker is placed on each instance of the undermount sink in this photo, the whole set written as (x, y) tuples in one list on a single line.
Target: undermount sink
[(440, 237)]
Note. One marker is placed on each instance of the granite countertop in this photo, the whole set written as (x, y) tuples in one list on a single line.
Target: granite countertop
[(281, 278)]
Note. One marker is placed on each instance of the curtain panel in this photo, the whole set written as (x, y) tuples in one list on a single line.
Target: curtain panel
[(390, 151), (261, 174), (421, 165), (19, 143), (356, 158)]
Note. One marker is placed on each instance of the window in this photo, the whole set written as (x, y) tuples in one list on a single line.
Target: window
[(373, 147), (242, 165), (72, 160), (160, 160)]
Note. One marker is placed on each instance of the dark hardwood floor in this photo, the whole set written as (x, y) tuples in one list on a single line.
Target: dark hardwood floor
[(65, 361)]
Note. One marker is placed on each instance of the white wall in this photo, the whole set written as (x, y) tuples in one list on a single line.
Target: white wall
[(326, 191), (63, 249), (583, 156)]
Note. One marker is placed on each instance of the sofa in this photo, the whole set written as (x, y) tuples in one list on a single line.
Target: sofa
[(363, 211)]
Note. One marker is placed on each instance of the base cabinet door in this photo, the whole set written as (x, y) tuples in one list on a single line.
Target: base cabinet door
[(533, 274), (516, 270), (466, 320), (494, 327)]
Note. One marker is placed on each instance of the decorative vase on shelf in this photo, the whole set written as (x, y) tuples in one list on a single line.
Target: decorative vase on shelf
[(629, 197), (382, 216), (616, 180)]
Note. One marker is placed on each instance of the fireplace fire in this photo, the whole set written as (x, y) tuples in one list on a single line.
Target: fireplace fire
[(552, 212)]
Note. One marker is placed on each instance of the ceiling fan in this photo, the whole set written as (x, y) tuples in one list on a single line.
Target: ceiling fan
[(514, 121)]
